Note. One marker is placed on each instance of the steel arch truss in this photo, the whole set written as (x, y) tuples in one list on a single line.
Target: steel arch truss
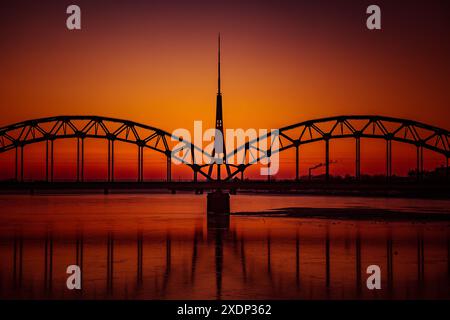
[(48, 130), (16, 136), (421, 135)]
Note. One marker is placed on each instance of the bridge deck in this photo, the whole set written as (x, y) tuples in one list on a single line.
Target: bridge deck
[(406, 188)]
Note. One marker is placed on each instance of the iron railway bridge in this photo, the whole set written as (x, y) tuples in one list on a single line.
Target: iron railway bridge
[(16, 137)]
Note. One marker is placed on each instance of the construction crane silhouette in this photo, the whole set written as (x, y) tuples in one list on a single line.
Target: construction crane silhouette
[(318, 166)]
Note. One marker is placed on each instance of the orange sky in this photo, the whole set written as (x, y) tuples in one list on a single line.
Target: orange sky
[(154, 62)]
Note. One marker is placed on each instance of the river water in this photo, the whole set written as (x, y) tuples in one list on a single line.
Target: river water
[(159, 246)]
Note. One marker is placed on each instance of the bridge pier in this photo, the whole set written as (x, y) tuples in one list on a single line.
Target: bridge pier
[(218, 210), (218, 202)]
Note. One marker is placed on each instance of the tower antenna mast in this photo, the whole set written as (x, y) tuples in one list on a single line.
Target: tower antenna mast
[(219, 151)]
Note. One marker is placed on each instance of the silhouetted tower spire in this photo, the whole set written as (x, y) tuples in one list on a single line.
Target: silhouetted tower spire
[(219, 119), (218, 67), (219, 151)]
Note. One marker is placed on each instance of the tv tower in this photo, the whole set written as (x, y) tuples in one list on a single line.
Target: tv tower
[(219, 151)]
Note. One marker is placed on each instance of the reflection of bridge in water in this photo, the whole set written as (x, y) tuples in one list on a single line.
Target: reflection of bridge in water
[(233, 255)]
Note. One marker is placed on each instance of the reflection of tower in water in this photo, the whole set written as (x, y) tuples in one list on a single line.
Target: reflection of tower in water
[(217, 232)]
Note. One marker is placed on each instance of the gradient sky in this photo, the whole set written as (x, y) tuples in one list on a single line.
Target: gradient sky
[(154, 62)]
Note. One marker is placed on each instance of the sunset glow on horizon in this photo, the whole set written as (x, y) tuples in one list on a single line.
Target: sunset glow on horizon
[(154, 62)]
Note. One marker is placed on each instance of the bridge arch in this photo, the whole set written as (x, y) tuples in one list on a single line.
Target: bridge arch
[(423, 136), (18, 135)]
